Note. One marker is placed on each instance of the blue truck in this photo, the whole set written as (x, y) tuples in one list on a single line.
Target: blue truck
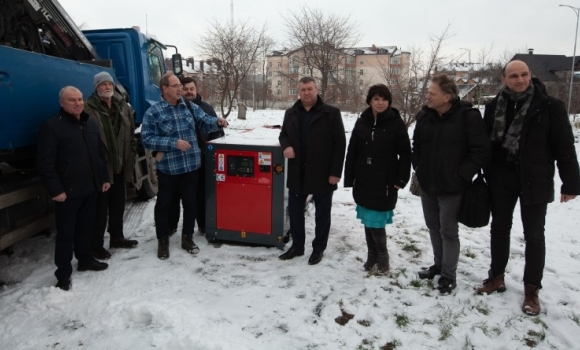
[(41, 51)]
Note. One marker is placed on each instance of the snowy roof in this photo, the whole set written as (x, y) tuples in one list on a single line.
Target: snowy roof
[(459, 66), (366, 50)]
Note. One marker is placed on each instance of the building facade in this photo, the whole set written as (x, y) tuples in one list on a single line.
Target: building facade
[(351, 72)]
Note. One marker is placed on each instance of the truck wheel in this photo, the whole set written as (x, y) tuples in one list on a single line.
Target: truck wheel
[(149, 185)]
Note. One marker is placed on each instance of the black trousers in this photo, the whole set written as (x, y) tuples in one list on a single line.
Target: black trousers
[(175, 208), (111, 206), (74, 220), (184, 186), (323, 205), (505, 189)]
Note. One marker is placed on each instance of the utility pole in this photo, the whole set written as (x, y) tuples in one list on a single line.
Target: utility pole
[(577, 11)]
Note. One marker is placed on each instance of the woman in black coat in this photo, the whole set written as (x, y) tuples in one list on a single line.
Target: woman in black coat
[(378, 164)]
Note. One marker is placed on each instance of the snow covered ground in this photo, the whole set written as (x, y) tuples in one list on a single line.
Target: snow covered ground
[(232, 296)]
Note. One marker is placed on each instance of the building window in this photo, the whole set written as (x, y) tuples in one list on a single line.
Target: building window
[(361, 72), (350, 59), (279, 64), (293, 70), (395, 71), (362, 62), (279, 82), (293, 91), (360, 82), (269, 74), (279, 92), (395, 60)]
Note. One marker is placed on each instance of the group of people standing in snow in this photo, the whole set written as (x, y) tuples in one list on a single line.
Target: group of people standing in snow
[(522, 136), (86, 156)]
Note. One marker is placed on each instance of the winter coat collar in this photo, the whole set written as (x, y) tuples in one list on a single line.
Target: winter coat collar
[(457, 103), (389, 114), (82, 120), (319, 103)]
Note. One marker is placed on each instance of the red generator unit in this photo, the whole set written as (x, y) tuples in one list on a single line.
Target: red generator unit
[(246, 193)]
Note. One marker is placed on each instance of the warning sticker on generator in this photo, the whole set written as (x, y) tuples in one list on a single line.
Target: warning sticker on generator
[(264, 158), (221, 162), (220, 177)]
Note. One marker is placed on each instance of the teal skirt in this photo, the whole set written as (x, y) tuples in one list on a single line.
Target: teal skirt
[(373, 218)]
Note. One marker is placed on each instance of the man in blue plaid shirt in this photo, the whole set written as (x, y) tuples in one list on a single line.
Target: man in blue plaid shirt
[(169, 127)]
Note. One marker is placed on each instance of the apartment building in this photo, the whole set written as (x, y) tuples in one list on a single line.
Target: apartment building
[(354, 70)]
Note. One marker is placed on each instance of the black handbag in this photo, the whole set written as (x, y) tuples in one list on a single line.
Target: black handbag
[(475, 205), (415, 187)]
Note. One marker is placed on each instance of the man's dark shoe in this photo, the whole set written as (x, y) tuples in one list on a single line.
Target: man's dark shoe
[(188, 244), (101, 254), (429, 272), (290, 254), (163, 248), (446, 285), (122, 243), (63, 284), (315, 258), (93, 266), (202, 231)]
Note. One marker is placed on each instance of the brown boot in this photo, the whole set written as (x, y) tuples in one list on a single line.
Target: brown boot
[(492, 284), (531, 301)]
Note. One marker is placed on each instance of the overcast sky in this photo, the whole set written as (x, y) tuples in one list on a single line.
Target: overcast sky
[(507, 25)]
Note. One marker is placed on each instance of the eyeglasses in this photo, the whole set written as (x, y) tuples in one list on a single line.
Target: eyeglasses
[(175, 86)]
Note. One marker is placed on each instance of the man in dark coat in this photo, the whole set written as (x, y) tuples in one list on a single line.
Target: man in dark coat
[(190, 95), (529, 131), (314, 142), (114, 117), (71, 163), (450, 146)]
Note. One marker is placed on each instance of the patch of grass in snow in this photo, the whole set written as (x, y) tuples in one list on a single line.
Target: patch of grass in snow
[(467, 344), (416, 283), (391, 345), (533, 338), (483, 308), (483, 327), (364, 323), (401, 320), (411, 248), (318, 309), (447, 321), (470, 254), (445, 329), (574, 318), (539, 321)]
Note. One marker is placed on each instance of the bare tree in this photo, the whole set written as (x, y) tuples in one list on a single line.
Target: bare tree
[(409, 88), (236, 48), (319, 39)]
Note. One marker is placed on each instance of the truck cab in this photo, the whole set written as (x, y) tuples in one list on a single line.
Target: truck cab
[(45, 52)]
